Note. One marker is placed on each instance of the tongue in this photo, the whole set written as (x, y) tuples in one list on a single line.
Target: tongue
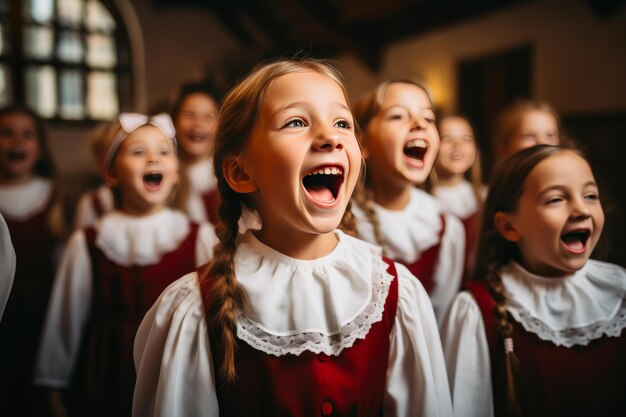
[(573, 243), (321, 193)]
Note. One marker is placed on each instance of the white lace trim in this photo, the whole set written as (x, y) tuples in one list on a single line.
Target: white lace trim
[(573, 336), (317, 342)]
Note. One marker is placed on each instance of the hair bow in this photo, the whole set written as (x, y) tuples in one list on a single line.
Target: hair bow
[(133, 121)]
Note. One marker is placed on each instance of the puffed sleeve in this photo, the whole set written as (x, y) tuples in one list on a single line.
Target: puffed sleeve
[(66, 316), (417, 383), (173, 356), (467, 358), (85, 213), (448, 271), (7, 264), (204, 243)]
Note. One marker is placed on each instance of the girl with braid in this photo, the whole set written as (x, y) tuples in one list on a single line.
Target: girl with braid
[(400, 146), (540, 331), (297, 318)]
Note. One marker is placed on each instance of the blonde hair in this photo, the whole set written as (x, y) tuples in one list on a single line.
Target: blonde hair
[(365, 109), (237, 117)]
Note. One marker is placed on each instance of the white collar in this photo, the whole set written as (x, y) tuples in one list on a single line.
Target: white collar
[(572, 310), (408, 232), (201, 175), (458, 199), (321, 305), (131, 240), (19, 202)]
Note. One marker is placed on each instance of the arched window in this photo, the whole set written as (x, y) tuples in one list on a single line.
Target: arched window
[(66, 59)]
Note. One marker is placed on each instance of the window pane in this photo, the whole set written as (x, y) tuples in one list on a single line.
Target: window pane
[(70, 46), (38, 42), (101, 51), (102, 95), (2, 40), (6, 95), (70, 12), (98, 18), (41, 92), (38, 10), (72, 95)]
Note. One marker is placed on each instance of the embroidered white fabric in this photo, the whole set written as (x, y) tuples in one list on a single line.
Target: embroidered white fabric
[(316, 342), (573, 336)]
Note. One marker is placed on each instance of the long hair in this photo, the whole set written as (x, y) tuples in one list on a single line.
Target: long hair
[(237, 117), (494, 252), (365, 109)]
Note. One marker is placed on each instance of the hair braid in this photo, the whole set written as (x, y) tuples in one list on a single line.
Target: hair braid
[(226, 295)]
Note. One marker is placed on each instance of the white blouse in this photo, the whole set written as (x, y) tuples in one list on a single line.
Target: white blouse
[(7, 265), (85, 213), (567, 311), (411, 231), (321, 305), (201, 179), (20, 202), (458, 199), (124, 239)]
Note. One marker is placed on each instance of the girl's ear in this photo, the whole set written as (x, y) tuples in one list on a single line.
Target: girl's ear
[(505, 227), (237, 176), (110, 178)]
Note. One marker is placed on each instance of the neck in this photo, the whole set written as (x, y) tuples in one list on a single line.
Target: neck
[(391, 195), (449, 180), (193, 159), (8, 180), (141, 211), (299, 245)]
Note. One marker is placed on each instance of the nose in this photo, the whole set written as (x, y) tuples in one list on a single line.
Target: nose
[(418, 122), (153, 158), (327, 139), (580, 211)]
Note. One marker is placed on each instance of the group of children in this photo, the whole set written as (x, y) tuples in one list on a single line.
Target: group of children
[(373, 279)]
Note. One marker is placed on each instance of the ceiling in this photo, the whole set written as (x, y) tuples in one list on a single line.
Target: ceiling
[(327, 28)]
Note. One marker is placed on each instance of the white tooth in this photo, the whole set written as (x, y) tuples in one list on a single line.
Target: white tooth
[(327, 171), (333, 171)]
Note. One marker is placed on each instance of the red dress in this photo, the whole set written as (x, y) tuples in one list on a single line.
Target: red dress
[(23, 318), (309, 384), (105, 376), (210, 200), (555, 380)]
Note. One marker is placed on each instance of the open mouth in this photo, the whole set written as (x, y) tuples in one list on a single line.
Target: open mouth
[(197, 137), (153, 180), (323, 184), (576, 240), (16, 155), (416, 149)]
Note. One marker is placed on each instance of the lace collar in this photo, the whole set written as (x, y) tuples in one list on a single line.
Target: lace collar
[(457, 199), (201, 176), (572, 310), (19, 202), (131, 240), (321, 305), (408, 232)]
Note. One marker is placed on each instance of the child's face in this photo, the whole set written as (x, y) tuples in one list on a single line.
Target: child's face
[(457, 151), (538, 127), (19, 146), (559, 217), (303, 155), (196, 124), (401, 139), (146, 170)]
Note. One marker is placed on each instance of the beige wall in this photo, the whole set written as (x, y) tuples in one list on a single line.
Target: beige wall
[(580, 59)]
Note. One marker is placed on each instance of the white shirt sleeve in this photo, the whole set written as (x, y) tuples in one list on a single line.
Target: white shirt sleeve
[(204, 243), (85, 213), (448, 270), (417, 383), (67, 314), (7, 265), (467, 358), (173, 356)]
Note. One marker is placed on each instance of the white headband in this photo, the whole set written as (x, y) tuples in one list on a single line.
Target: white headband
[(133, 121)]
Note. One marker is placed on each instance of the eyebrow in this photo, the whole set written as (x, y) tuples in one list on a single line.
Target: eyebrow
[(297, 104), (560, 187), (384, 109)]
